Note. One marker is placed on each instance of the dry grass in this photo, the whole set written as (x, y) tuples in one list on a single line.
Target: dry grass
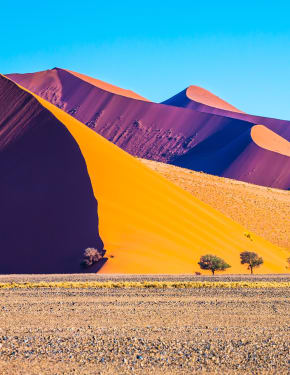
[(117, 278), (147, 284), (262, 210), (49, 331)]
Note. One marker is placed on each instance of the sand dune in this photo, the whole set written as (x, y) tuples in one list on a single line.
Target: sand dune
[(269, 140), (195, 97), (273, 137), (206, 97), (217, 144), (199, 99), (264, 211), (108, 87), (48, 209), (147, 224)]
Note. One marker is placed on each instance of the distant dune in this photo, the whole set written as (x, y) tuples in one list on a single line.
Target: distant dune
[(195, 97), (55, 171), (264, 211), (107, 86), (198, 137), (269, 140)]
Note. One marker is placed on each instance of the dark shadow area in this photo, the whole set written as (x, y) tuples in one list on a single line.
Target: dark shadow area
[(96, 266), (218, 151), (48, 212)]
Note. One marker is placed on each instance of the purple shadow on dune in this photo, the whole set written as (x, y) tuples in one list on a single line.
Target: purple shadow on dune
[(281, 127), (48, 212), (189, 138)]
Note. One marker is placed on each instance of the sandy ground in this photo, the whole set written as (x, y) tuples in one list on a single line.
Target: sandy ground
[(137, 331), (269, 208)]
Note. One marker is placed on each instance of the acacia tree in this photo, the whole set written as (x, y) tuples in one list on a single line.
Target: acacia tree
[(252, 259), (91, 256), (212, 263)]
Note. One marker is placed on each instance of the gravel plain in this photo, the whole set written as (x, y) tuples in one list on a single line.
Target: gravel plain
[(144, 331)]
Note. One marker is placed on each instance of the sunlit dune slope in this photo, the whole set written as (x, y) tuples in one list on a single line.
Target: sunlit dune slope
[(198, 98), (269, 140), (270, 134), (219, 145), (148, 224), (108, 87), (206, 97), (262, 210)]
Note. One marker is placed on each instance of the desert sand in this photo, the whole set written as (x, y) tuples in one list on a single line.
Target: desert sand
[(108, 87), (201, 140), (269, 140), (195, 97), (264, 211), (149, 225)]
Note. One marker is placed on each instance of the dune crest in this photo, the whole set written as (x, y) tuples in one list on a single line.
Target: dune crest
[(49, 213), (191, 137), (149, 225), (108, 87), (204, 96), (269, 140)]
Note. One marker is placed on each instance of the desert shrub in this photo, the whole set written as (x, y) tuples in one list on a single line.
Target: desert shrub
[(91, 256), (248, 235), (251, 259), (212, 263), (197, 273)]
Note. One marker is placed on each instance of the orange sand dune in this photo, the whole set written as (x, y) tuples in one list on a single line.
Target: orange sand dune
[(203, 96), (150, 225), (269, 207), (108, 87), (270, 140)]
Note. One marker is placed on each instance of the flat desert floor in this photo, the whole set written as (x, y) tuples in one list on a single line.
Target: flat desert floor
[(144, 331)]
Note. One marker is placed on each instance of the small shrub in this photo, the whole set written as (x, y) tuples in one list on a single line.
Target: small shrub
[(252, 259), (248, 235), (91, 256), (212, 263), (197, 273)]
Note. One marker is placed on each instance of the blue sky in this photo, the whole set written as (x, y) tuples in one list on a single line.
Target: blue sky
[(239, 52)]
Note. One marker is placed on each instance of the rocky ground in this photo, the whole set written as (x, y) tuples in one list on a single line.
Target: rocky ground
[(143, 331)]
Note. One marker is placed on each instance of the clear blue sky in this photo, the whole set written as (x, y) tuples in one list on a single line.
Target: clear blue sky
[(239, 50)]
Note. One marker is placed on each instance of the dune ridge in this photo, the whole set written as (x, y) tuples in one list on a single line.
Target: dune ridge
[(216, 144), (49, 214), (150, 225), (198, 98), (269, 140), (185, 99), (108, 87)]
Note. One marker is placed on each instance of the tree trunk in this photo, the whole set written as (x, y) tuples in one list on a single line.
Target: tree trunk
[(212, 272), (251, 268)]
